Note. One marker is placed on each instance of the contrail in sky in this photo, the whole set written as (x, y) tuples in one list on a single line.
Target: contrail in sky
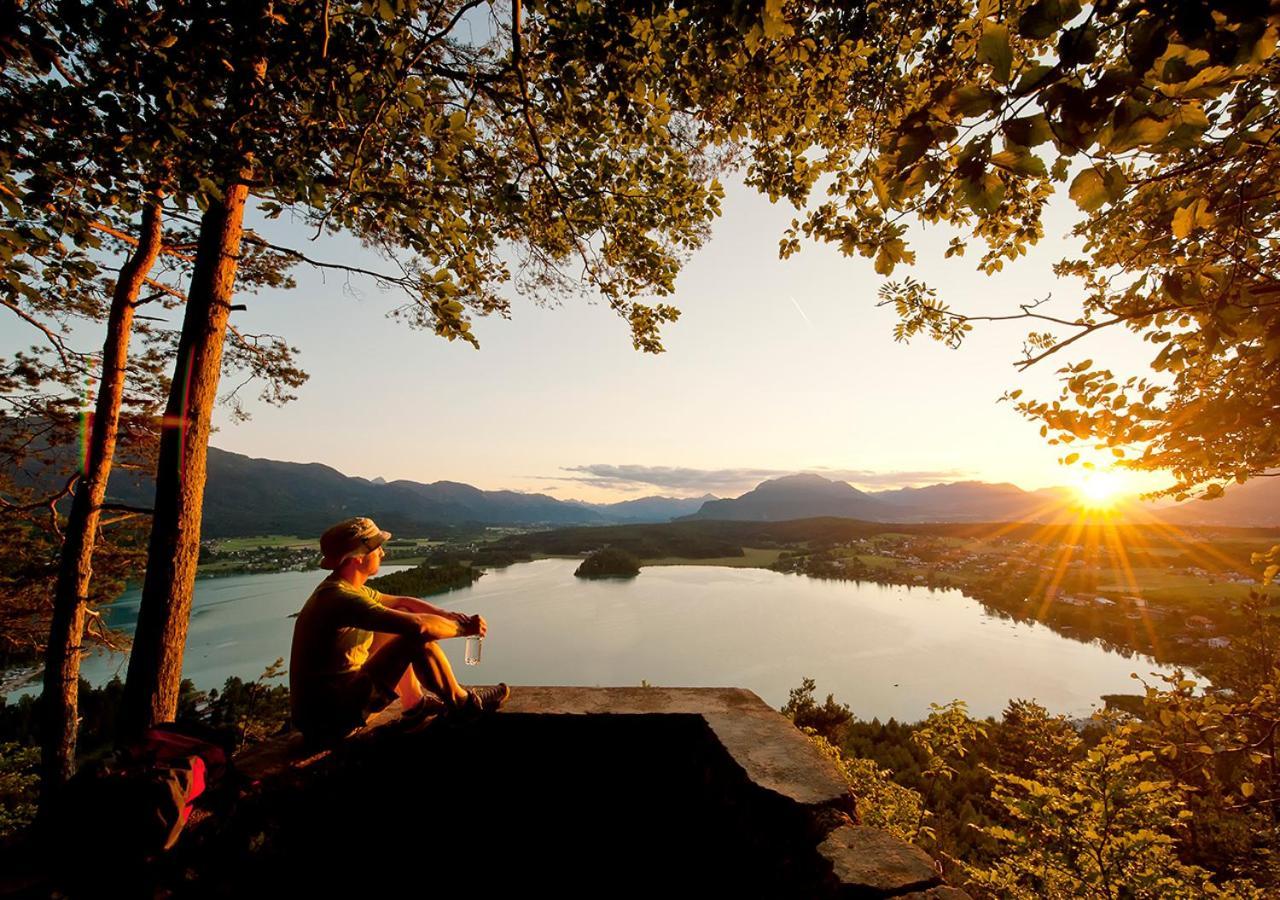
[(801, 311)]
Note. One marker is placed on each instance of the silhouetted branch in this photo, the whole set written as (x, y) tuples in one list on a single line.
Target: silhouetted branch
[(55, 339), (124, 507)]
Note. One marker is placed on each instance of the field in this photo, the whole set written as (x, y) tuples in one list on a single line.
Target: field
[(229, 566), (253, 542), (1159, 584), (752, 558)]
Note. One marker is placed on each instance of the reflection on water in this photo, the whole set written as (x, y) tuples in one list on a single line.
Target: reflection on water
[(886, 651)]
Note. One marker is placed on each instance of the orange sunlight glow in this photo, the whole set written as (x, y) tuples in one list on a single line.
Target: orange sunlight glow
[(1090, 524), (1097, 489)]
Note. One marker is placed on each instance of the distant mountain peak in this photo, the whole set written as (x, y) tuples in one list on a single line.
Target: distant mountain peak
[(801, 478), (807, 481), (799, 496)]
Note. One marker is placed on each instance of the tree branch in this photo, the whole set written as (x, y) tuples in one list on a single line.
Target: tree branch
[(124, 507), (133, 241), (257, 240), (55, 339), (50, 503), (163, 289), (44, 501), (117, 519), (1025, 314)]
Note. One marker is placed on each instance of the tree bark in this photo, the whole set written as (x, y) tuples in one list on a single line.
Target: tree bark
[(155, 664), (75, 570)]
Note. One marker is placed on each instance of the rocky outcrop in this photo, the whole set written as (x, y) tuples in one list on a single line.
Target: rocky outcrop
[(671, 789)]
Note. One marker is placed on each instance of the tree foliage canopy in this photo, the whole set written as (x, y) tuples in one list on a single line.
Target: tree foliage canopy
[(571, 144), (469, 143), (1157, 118)]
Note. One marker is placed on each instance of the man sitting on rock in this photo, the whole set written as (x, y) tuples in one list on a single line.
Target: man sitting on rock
[(355, 649)]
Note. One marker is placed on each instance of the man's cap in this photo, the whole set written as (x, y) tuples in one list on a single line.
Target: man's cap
[(352, 537)]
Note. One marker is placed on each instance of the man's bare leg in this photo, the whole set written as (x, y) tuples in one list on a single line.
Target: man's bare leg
[(416, 664), (408, 688), (435, 673)]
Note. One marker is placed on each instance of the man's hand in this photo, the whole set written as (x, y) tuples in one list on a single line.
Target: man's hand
[(476, 625), (436, 628)]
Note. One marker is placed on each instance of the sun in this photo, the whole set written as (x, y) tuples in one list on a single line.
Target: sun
[(1100, 490)]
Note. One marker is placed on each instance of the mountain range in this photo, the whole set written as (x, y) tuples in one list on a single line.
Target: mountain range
[(246, 496), (807, 495), (1254, 503)]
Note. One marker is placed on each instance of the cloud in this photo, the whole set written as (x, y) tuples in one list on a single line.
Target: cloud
[(724, 482)]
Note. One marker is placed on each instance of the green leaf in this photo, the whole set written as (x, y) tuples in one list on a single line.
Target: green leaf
[(982, 195), (1044, 17), (1078, 46), (1140, 133), (972, 100), (1020, 160), (1088, 190), (773, 23), (1032, 77), (912, 145), (891, 253), (994, 50), (1265, 47), (1183, 220), (1029, 131)]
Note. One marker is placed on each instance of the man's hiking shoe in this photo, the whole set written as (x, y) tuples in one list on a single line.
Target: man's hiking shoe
[(430, 705), (485, 700)]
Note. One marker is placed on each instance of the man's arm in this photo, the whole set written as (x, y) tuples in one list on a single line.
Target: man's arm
[(415, 605), (468, 625), (382, 618)]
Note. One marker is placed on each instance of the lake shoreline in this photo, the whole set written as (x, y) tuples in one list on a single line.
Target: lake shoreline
[(888, 651)]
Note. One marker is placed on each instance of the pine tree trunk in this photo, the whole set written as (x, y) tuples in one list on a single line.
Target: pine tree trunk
[(66, 631), (155, 664)]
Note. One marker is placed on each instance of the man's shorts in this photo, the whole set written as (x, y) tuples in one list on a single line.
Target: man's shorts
[(341, 703)]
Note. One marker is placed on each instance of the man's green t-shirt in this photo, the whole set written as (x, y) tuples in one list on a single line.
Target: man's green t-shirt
[(331, 639)]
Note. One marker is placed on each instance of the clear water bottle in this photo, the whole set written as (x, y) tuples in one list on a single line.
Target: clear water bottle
[(474, 643)]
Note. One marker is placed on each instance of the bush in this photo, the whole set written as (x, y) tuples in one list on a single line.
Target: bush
[(609, 562), (19, 786)]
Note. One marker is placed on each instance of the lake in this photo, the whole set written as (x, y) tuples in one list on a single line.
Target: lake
[(884, 650)]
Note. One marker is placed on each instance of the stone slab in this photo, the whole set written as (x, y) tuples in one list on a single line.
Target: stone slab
[(942, 892), (774, 754), (771, 751), (872, 861)]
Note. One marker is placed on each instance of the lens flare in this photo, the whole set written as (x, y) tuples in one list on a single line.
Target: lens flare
[(1100, 490), (85, 431)]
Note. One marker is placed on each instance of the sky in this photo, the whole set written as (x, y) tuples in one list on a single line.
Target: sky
[(774, 367)]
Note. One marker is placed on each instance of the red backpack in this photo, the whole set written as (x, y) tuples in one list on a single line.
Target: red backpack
[(139, 798)]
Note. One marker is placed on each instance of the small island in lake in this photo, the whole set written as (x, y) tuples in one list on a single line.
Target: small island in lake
[(423, 580), (609, 562)]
